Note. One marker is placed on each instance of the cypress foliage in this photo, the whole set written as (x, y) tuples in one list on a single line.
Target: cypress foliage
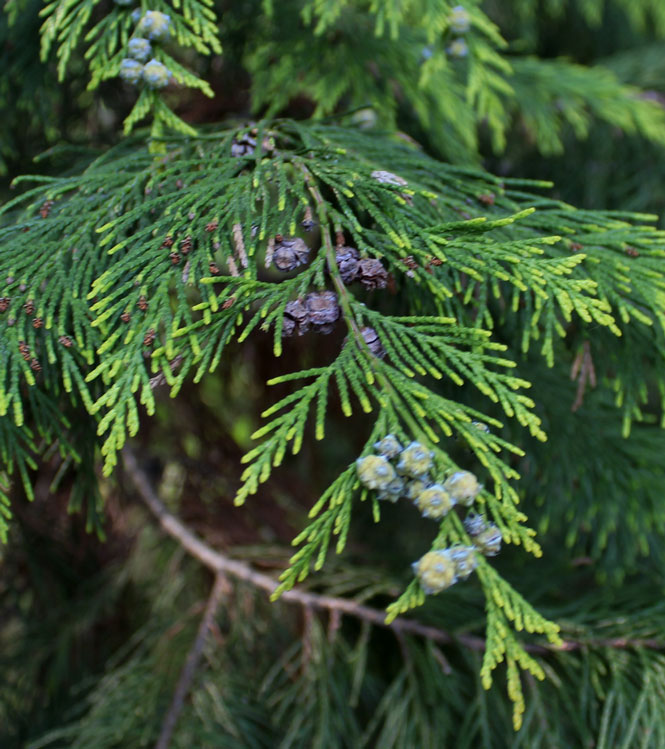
[(467, 374)]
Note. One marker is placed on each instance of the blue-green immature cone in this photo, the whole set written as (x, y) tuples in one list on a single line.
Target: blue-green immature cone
[(465, 560), (155, 25), (435, 571), (434, 502), (375, 472), (389, 447), (475, 524), (489, 541), (156, 74), (131, 71), (415, 487), (139, 49), (414, 461), (459, 48), (459, 20), (393, 491), (463, 486)]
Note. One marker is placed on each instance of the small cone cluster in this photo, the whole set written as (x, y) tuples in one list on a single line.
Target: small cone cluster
[(395, 471)]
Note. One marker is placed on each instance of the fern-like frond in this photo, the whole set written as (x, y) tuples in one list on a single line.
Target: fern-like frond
[(143, 268)]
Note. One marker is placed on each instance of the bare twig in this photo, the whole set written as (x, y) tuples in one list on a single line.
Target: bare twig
[(159, 379), (191, 664), (220, 563), (584, 372)]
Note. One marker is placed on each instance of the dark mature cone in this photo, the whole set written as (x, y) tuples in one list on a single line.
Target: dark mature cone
[(323, 310), (296, 318), (290, 253), (372, 340), (372, 274), (347, 262), (243, 146)]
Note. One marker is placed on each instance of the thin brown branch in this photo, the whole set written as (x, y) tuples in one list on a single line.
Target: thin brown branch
[(191, 664), (159, 379), (584, 372), (220, 563)]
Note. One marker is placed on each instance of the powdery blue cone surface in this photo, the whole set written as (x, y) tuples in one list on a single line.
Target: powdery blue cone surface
[(463, 486), (156, 74), (460, 20), (375, 472), (389, 446), (155, 25), (434, 502), (139, 49), (131, 71), (415, 461), (435, 571), (465, 560)]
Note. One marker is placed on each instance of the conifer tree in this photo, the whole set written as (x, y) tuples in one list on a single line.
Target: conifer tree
[(294, 274)]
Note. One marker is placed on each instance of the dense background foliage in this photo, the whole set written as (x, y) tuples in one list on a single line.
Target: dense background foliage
[(98, 609)]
